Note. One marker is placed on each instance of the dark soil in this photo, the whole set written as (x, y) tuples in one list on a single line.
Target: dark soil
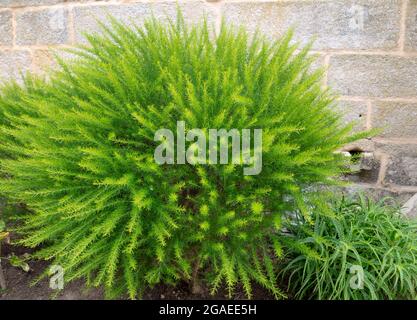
[(19, 286)]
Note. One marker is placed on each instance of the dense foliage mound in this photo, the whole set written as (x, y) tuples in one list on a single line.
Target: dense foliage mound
[(367, 250), (78, 150)]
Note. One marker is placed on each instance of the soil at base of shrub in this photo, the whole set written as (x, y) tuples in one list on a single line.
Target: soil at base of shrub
[(19, 286)]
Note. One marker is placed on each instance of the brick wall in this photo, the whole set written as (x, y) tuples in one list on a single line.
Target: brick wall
[(368, 46)]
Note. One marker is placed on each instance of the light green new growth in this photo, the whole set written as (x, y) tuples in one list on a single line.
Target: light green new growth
[(78, 150)]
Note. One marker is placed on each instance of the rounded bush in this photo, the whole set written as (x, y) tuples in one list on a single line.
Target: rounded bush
[(78, 149)]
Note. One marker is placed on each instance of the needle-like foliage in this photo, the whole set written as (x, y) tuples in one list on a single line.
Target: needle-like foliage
[(78, 149)]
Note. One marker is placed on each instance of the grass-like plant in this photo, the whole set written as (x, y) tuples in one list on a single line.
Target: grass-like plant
[(78, 149), (362, 235)]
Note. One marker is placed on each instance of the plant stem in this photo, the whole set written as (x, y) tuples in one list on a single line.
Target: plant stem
[(196, 285)]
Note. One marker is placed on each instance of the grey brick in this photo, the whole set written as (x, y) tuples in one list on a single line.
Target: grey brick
[(411, 26), (13, 62), (377, 194), (42, 27), (409, 209), (338, 24), (367, 145), (86, 17), (373, 75), (354, 111), (26, 3), (402, 164), (44, 60), (397, 120), (6, 33)]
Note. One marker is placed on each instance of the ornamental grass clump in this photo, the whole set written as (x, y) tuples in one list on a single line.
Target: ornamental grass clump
[(78, 150), (366, 250)]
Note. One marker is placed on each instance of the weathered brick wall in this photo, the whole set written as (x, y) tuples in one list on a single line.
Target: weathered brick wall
[(368, 46)]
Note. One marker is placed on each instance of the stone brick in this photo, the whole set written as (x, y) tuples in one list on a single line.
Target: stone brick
[(43, 60), (411, 26), (373, 75), (86, 17), (6, 35), (397, 120), (366, 145), (409, 208), (402, 164), (42, 27), (12, 62), (338, 24), (390, 196), (353, 111), (27, 3)]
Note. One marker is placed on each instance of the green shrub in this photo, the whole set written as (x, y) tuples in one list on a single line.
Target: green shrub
[(78, 150), (361, 234)]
